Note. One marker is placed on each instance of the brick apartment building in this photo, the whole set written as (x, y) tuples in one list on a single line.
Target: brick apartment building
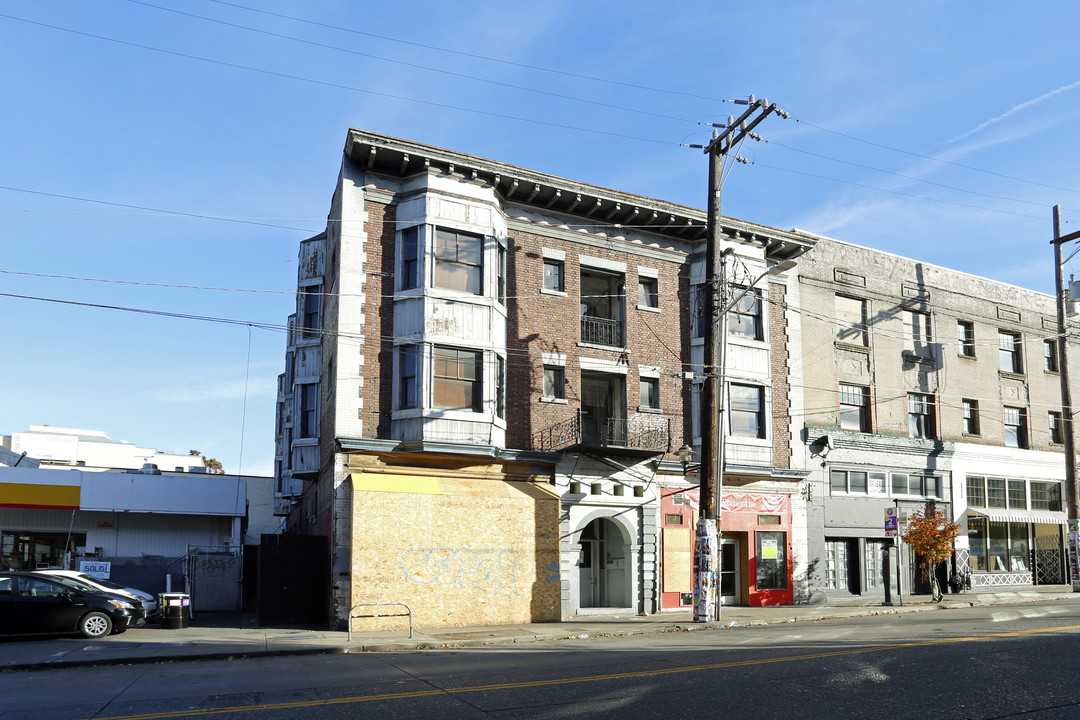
[(488, 375)]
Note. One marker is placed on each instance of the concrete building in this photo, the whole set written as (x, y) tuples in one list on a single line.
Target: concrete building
[(92, 500), (927, 385), (92, 451), (487, 377)]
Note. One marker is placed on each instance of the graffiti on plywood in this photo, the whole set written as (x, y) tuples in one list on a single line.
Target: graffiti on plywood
[(492, 571)]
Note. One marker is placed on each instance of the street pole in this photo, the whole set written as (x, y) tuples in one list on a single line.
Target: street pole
[(707, 605), (1072, 496), (707, 542)]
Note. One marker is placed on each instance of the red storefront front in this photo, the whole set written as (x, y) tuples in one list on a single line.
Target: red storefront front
[(755, 548)]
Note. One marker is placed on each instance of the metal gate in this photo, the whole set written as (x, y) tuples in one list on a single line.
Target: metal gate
[(214, 575)]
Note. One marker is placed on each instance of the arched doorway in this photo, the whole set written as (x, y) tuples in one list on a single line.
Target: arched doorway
[(603, 572)]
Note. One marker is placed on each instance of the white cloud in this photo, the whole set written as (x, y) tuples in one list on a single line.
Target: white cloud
[(1015, 109), (198, 391)]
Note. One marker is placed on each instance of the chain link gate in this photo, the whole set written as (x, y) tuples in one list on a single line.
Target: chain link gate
[(214, 577)]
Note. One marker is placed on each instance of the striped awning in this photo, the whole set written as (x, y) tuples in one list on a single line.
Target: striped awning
[(1039, 517)]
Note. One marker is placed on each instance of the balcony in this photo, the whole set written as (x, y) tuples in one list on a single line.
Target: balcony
[(601, 331), (636, 435)]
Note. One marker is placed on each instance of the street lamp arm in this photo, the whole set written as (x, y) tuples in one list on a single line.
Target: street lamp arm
[(773, 270)]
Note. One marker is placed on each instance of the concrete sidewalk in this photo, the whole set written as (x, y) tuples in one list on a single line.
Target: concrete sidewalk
[(232, 636)]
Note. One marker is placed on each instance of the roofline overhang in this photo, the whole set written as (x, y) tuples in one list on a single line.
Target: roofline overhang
[(394, 157)]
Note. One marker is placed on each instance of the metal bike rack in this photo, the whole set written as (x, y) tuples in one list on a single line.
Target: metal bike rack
[(408, 613)]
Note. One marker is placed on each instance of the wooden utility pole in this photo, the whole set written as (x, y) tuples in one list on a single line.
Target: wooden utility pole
[(706, 578), (1071, 493)]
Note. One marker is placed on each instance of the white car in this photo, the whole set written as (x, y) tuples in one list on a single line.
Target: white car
[(149, 601)]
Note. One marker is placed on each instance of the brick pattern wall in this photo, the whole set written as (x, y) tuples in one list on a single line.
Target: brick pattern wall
[(539, 323), (779, 357), (378, 372)]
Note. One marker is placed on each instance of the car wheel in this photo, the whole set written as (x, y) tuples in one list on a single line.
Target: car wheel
[(95, 625)]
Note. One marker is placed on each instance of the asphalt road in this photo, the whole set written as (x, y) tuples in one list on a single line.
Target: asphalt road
[(1017, 661)]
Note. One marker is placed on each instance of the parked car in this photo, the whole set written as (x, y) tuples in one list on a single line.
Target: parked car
[(31, 603), (105, 585)]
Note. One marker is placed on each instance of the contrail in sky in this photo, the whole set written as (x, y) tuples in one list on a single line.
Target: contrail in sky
[(1016, 109)]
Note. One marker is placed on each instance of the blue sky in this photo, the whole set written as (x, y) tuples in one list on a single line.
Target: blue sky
[(169, 156)]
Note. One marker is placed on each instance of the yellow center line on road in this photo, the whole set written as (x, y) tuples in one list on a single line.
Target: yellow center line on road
[(194, 712)]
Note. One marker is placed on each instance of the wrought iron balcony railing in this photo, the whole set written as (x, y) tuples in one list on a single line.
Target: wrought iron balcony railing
[(640, 433), (601, 331)]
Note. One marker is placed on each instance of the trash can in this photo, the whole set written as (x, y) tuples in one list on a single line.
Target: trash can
[(175, 610)]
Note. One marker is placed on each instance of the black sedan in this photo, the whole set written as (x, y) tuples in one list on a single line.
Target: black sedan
[(31, 604)]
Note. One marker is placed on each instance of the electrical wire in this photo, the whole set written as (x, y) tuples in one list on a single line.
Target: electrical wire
[(338, 86), (416, 66)]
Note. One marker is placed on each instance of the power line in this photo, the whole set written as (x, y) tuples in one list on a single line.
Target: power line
[(934, 159), (178, 213), (338, 86), (416, 66), (906, 177), (475, 56), (896, 192)]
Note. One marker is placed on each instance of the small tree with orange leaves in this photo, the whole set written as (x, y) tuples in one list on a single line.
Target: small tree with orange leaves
[(931, 535)]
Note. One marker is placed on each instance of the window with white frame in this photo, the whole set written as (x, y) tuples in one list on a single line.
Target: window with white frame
[(970, 410), (500, 273), (1050, 356), (1055, 427), (309, 411), (312, 304), (1009, 359), (744, 317), (965, 337), (928, 486), (408, 374), (698, 319), (857, 482), (410, 259), (921, 416), (554, 275), (746, 405), (1015, 420), (648, 292), (554, 382), (854, 408), (459, 261), (649, 395), (500, 387), (1013, 493), (457, 379)]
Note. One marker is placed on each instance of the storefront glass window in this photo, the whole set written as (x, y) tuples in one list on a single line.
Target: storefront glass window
[(977, 541), (1018, 548), (999, 547), (771, 561), (26, 550)]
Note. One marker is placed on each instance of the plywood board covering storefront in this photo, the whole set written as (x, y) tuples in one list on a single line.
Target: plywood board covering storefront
[(458, 551), (678, 560)]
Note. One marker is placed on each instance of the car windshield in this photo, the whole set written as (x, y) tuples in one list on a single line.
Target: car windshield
[(108, 584), (74, 583)]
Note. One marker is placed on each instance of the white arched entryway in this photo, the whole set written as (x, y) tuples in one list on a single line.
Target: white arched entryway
[(606, 564)]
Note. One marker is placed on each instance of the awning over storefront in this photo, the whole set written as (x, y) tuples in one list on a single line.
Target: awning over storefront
[(1044, 517)]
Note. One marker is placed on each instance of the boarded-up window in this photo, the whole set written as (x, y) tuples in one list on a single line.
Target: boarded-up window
[(917, 332), (851, 320)]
